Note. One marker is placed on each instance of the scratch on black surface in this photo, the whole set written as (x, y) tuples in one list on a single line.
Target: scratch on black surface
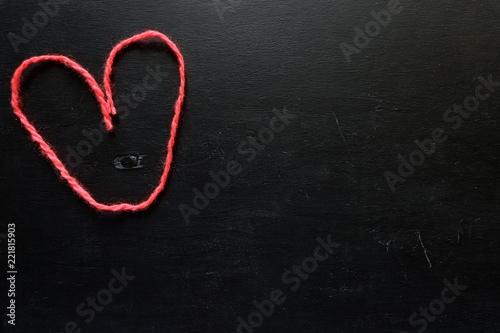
[(425, 250)]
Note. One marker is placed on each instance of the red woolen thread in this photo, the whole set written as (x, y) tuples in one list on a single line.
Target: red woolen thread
[(105, 100)]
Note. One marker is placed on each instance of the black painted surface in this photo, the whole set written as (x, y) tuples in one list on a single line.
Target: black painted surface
[(322, 175)]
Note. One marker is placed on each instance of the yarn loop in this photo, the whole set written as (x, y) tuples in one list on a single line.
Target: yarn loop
[(105, 99)]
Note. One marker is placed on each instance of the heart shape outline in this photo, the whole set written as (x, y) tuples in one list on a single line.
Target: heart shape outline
[(105, 100)]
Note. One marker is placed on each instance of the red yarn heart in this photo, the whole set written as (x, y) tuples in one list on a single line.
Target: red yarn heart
[(105, 100)]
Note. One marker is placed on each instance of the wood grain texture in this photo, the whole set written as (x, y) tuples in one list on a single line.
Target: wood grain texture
[(322, 175)]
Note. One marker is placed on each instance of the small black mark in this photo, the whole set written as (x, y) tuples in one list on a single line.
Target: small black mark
[(129, 161)]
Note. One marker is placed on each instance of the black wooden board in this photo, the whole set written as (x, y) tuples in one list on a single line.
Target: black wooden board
[(353, 109)]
